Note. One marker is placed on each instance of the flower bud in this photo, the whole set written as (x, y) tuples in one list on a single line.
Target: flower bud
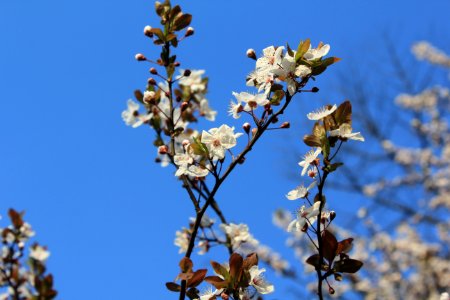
[(285, 125), (140, 57), (153, 71), (224, 296), (275, 120), (305, 227), (163, 149), (176, 64), (331, 290), (251, 54), (187, 73), (189, 31), (151, 81), (149, 96), (254, 131), (332, 215), (241, 160), (148, 31), (185, 142), (184, 105), (246, 127), (315, 89)]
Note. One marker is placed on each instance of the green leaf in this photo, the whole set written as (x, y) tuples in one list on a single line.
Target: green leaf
[(329, 61), (325, 147), (333, 167), (302, 48), (343, 113), (312, 141), (277, 97)]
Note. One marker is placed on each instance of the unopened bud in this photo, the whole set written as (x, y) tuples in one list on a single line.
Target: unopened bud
[(315, 89), (189, 31), (176, 64), (275, 120), (187, 73), (148, 31), (241, 160), (153, 71), (149, 96), (184, 105), (305, 227), (332, 215), (185, 143), (140, 57), (331, 290), (163, 149), (312, 173), (251, 54), (151, 81), (254, 131), (246, 127), (285, 125)]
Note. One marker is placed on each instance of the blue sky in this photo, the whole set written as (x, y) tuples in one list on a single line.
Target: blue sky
[(88, 183)]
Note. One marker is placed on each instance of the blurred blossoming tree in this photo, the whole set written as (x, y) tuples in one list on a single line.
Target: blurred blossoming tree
[(402, 229)]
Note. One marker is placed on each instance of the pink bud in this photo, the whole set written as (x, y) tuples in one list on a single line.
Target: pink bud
[(189, 31), (140, 57), (151, 81), (246, 127), (285, 125), (148, 31), (163, 149), (251, 54), (153, 71)]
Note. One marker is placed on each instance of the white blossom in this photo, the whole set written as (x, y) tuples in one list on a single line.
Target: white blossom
[(39, 253), (194, 80), (313, 54), (321, 113), (308, 159), (218, 140), (345, 131), (258, 281), (300, 192), (252, 101), (304, 216)]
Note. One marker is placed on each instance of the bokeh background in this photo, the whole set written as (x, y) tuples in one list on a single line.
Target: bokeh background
[(89, 184)]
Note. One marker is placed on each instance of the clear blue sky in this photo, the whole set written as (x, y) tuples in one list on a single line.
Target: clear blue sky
[(88, 182)]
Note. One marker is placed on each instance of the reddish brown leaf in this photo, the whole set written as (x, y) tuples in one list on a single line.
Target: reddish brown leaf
[(330, 246), (220, 270), (197, 278), (186, 264), (172, 286), (216, 281), (348, 265), (250, 261), (344, 246)]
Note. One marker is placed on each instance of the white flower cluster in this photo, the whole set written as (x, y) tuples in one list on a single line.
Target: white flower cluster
[(425, 51)]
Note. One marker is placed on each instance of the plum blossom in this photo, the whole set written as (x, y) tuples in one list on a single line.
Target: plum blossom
[(304, 216), (235, 109), (288, 71), (300, 192), (131, 115), (238, 233), (206, 111), (218, 140), (258, 281), (270, 59), (321, 113), (182, 240), (39, 253), (194, 80), (308, 159), (345, 131), (319, 52), (251, 101)]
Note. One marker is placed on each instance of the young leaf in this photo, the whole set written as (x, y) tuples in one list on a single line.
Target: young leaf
[(343, 113), (196, 278), (302, 48), (313, 260), (182, 21), (219, 269), (236, 263), (186, 264), (172, 286), (216, 281), (348, 266), (330, 246), (312, 141), (345, 246)]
